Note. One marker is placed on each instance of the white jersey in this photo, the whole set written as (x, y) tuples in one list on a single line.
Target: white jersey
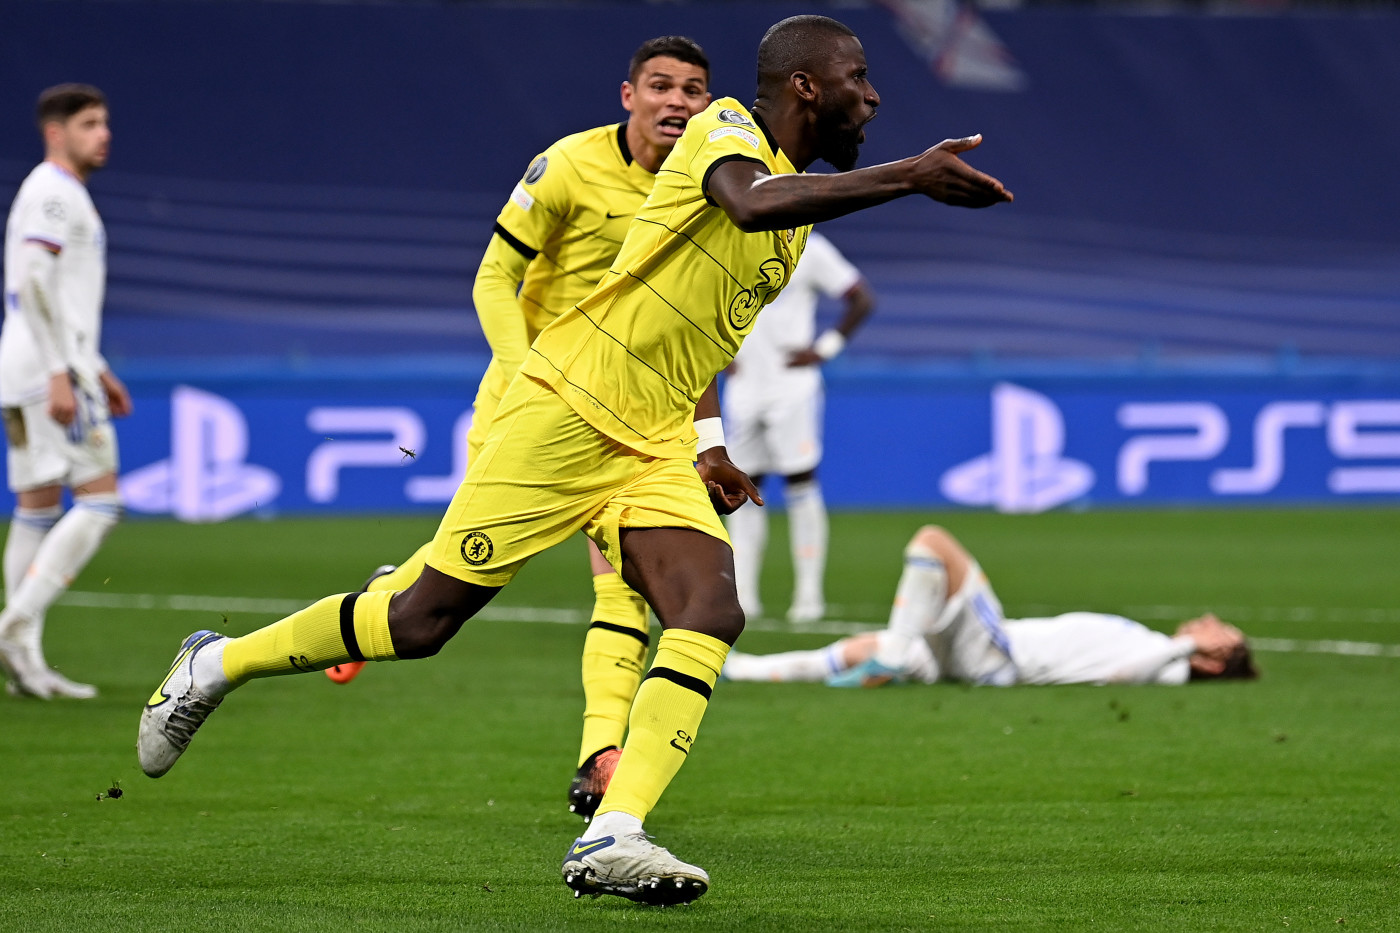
[(53, 209), (1094, 648), (789, 324)]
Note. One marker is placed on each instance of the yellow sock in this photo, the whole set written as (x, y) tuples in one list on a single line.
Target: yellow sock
[(349, 627), (405, 575), (614, 653), (665, 717)]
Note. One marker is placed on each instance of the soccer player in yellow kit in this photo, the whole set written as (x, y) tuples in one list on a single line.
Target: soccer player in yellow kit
[(554, 239), (602, 429)]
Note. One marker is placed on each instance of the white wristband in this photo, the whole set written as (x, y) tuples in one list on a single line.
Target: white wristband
[(829, 344), (709, 433)]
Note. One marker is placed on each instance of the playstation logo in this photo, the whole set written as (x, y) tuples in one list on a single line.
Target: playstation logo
[(207, 478), (1024, 472)]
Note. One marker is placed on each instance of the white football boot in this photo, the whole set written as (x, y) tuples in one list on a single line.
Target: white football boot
[(632, 866), (175, 710), (63, 687), (25, 670)]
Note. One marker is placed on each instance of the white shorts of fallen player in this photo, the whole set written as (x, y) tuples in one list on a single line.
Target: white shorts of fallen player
[(774, 433), (41, 452), (967, 643)]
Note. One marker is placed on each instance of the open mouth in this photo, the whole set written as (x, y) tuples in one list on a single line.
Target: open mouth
[(672, 126)]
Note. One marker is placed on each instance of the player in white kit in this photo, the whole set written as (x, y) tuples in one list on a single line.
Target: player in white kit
[(773, 420), (56, 391), (947, 624)]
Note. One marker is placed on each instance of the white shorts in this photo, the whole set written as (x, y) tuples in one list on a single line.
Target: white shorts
[(967, 643), (41, 452), (774, 434)]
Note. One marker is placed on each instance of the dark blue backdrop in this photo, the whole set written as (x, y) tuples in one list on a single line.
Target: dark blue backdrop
[(297, 190)]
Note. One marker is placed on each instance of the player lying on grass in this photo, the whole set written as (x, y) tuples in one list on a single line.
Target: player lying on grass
[(554, 239), (601, 431), (947, 624)]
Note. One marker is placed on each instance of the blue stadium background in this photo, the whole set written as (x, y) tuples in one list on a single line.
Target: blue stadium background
[(1195, 297)]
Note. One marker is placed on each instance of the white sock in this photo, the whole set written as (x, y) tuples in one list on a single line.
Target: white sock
[(918, 602), (612, 823), (62, 555), (787, 667), (209, 677), (807, 521), (27, 531), (748, 531)]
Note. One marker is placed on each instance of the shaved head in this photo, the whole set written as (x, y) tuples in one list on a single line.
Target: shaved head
[(798, 43)]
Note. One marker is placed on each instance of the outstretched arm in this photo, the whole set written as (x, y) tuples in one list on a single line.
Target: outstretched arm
[(756, 200)]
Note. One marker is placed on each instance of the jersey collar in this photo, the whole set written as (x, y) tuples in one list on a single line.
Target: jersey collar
[(622, 142), (767, 133)]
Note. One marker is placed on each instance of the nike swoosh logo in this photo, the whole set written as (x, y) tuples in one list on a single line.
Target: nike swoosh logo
[(677, 746), (612, 216), (595, 844), (160, 696)]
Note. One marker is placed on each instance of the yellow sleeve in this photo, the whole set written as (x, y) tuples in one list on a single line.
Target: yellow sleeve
[(494, 294), (539, 202), (721, 134)]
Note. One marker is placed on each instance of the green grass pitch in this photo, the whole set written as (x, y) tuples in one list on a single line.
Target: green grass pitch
[(429, 795)]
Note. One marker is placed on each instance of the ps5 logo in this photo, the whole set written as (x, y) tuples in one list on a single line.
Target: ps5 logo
[(207, 477), (1195, 431), (1025, 470)]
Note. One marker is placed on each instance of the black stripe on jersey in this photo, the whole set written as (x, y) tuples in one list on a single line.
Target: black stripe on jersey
[(680, 680), (347, 627), (705, 182), (691, 240), (628, 350), (643, 637), (582, 389), (514, 242), (686, 317), (767, 133), (622, 142)]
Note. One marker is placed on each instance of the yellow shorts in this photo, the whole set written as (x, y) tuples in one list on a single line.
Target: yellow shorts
[(544, 473), (488, 399)]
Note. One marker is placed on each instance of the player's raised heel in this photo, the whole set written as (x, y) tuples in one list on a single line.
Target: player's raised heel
[(176, 710), (634, 867), (591, 782)]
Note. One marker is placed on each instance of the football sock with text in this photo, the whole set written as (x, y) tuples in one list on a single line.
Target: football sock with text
[(614, 656), (665, 718), (348, 627)]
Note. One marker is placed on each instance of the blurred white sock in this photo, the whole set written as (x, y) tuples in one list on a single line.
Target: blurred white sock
[(748, 532), (808, 524), (918, 602)]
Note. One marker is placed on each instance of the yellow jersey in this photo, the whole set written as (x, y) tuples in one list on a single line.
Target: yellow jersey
[(568, 216), (634, 356)]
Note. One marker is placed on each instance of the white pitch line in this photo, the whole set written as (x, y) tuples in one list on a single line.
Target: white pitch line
[(240, 604)]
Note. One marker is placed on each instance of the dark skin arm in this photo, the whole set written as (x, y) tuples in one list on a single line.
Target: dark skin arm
[(756, 200), (729, 486), (860, 301)]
